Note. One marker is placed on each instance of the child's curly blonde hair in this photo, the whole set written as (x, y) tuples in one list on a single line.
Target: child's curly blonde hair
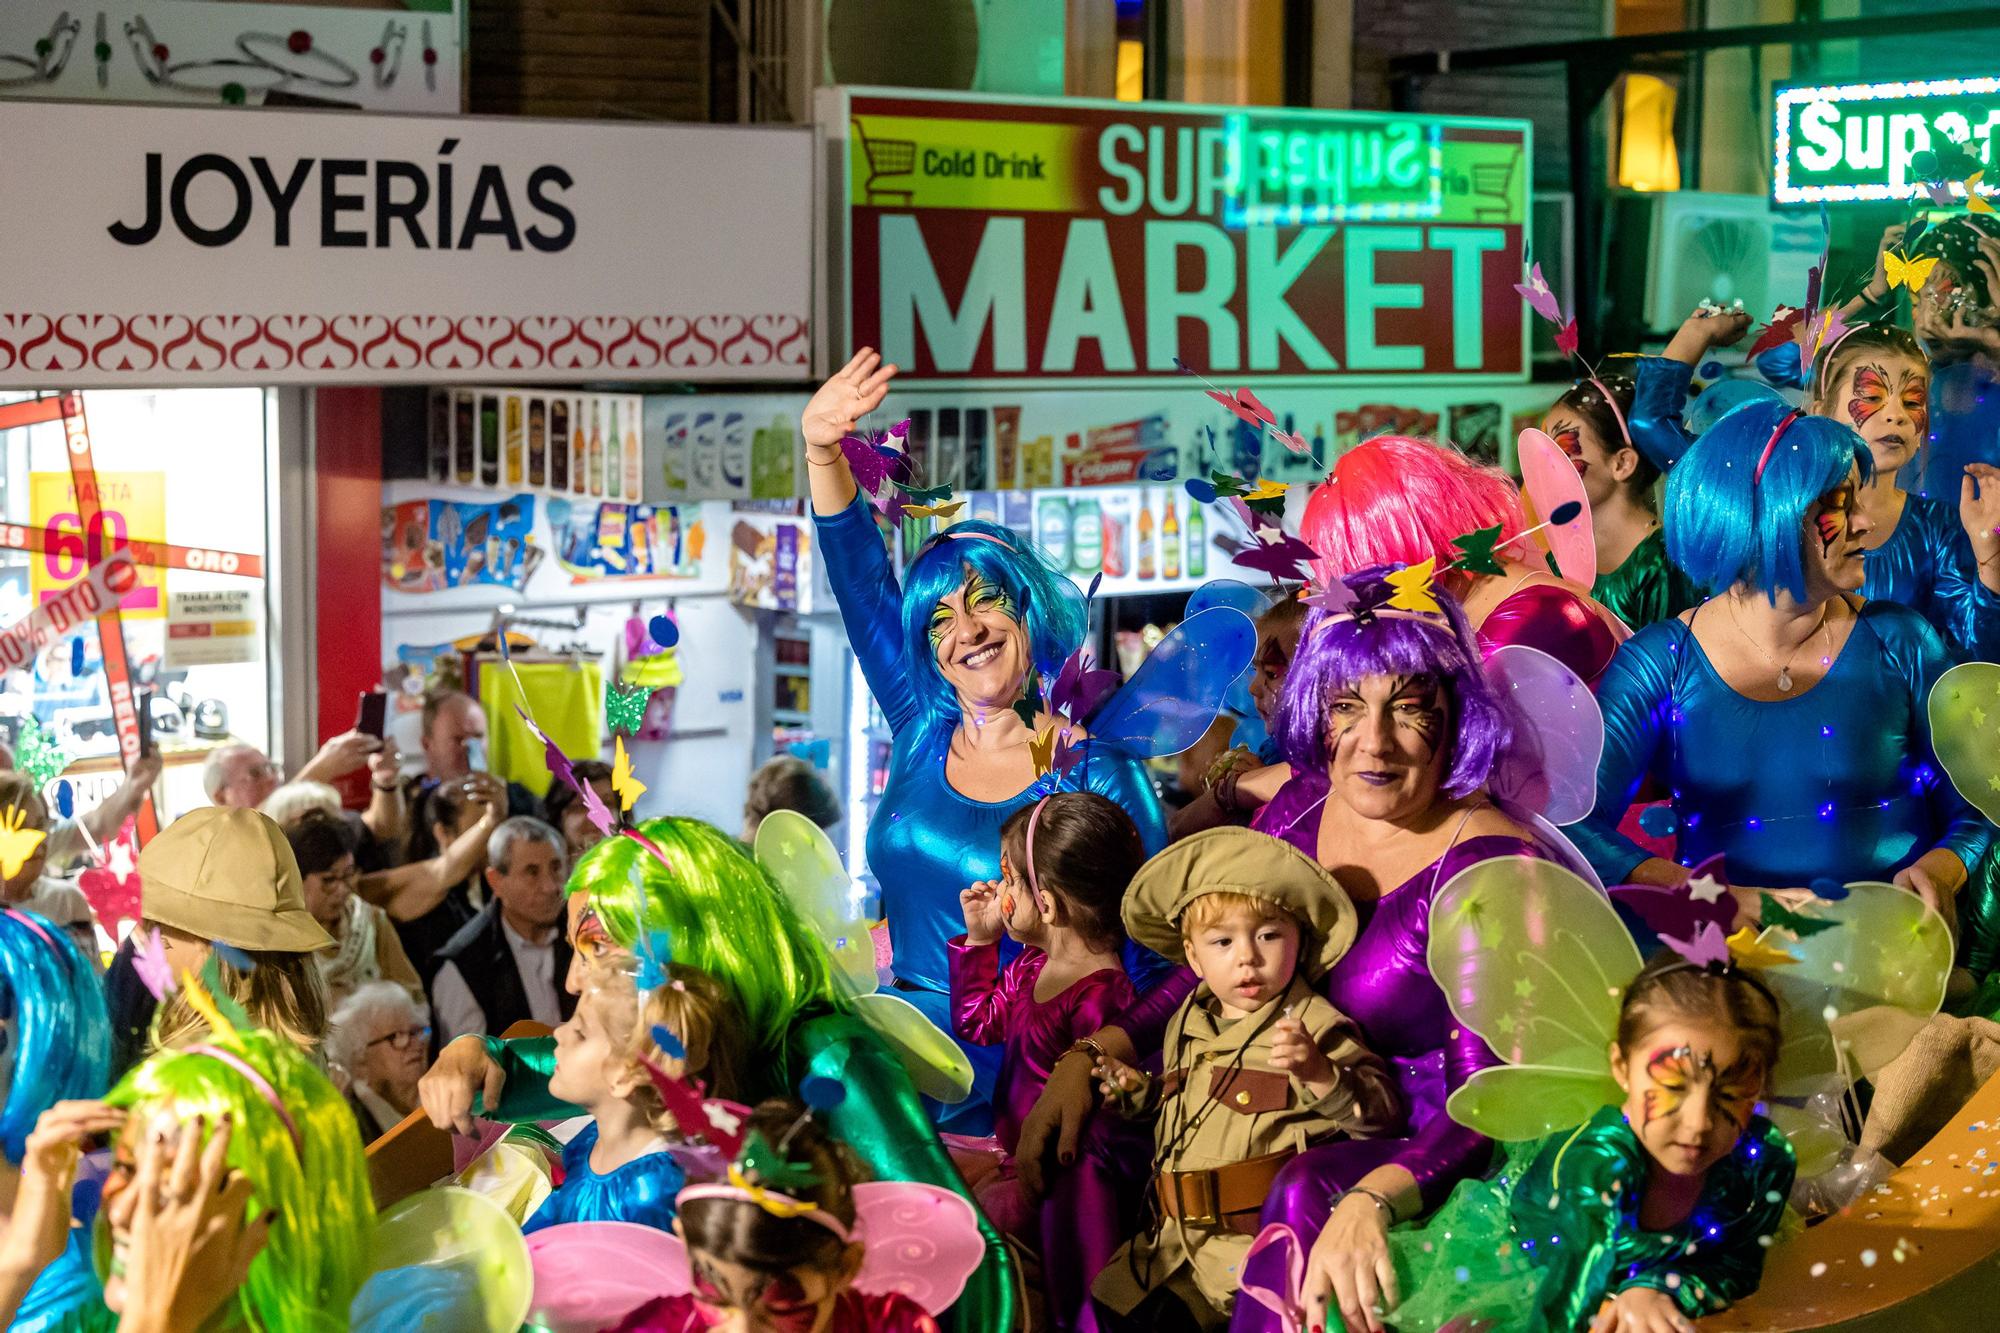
[(695, 1008)]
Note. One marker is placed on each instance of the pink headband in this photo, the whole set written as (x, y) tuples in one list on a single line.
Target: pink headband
[(33, 925), (958, 536), (1385, 613), (1034, 819), (1824, 356), (785, 1205), (257, 1081), (1764, 459), (1612, 403)]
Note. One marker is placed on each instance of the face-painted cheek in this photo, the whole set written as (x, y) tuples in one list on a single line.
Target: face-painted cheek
[(1870, 392), (1830, 527), (1671, 1071)]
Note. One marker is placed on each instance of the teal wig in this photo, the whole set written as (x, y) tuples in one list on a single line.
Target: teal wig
[(719, 912), (58, 1040), (1046, 603), (305, 1163)]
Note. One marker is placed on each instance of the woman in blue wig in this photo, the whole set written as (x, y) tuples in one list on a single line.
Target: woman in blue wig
[(1786, 715), (947, 656), (55, 1046), (1937, 554)]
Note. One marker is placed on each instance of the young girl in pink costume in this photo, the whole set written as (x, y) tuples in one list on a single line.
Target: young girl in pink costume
[(1064, 865)]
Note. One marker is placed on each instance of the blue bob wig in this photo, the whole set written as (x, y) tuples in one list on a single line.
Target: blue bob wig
[(1337, 652), (1046, 603), (1725, 526), (59, 1040)]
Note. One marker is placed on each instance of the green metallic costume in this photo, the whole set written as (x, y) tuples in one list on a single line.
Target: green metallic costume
[(1646, 587)]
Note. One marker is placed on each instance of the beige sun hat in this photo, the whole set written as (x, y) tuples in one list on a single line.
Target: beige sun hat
[(1257, 865), (229, 875)]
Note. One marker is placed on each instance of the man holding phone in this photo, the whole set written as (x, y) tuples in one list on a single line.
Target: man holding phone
[(454, 746)]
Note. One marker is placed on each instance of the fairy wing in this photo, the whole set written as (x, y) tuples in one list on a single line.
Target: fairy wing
[(1551, 768), (445, 1258), (1534, 960), (590, 1275), (803, 862), (923, 1241), (1519, 1103), (1252, 602), (1174, 695), (934, 1061), (1858, 993), (1965, 714), (1550, 480)]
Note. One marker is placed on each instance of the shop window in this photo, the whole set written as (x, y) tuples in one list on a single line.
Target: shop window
[(1647, 157), (185, 467)]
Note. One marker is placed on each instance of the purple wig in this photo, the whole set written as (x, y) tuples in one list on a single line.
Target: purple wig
[(1337, 652)]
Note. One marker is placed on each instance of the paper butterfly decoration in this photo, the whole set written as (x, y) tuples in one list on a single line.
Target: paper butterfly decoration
[(1975, 202), (1748, 948), (1775, 915), (628, 788), (149, 961), (37, 754), (1708, 947), (870, 457), (1541, 298), (1413, 586), (946, 510), (1903, 271), (1281, 558), (717, 1121), (1080, 687), (1477, 548), (1783, 328), (18, 845), (625, 707)]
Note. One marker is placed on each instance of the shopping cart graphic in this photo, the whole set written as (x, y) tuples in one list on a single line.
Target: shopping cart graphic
[(888, 159)]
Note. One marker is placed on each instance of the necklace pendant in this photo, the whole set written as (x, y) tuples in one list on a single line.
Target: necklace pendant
[(1785, 680)]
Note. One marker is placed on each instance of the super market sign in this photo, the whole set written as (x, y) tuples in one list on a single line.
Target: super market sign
[(1006, 241), (1857, 141)]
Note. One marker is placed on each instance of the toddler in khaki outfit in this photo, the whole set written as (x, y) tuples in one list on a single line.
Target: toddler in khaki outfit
[(1257, 1065)]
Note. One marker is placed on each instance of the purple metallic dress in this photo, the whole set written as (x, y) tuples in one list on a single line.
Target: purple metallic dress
[(992, 1006)]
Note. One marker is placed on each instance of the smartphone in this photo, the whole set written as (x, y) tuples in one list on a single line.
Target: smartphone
[(144, 698), (475, 754), (373, 714)]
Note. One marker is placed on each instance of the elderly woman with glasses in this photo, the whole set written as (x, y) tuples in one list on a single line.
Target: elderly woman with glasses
[(365, 945), (382, 1039)]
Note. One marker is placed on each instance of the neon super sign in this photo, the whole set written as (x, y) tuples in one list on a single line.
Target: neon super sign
[(1858, 141)]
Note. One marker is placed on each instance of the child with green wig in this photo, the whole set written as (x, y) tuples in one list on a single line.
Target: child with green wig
[(292, 1138), (688, 886)]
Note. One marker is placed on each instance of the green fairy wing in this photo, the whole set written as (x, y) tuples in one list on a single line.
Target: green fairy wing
[(1965, 732), (803, 862), (1535, 961)]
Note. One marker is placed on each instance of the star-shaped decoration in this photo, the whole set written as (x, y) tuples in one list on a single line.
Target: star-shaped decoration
[(1978, 716), (1524, 988), (1506, 1024), (1478, 557), (1706, 889), (1413, 588)]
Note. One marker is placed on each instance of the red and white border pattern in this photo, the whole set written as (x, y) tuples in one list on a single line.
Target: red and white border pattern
[(157, 349)]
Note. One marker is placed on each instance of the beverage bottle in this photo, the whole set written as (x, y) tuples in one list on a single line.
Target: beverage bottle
[(1052, 528), (1197, 540), (559, 444), (1086, 538), (596, 447), (516, 439), (948, 458), (538, 442), (614, 459), (579, 458), (489, 440), (1145, 536), (465, 438), (1170, 541), (632, 451), (440, 432)]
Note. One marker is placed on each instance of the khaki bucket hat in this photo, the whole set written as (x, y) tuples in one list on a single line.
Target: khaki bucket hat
[(229, 875)]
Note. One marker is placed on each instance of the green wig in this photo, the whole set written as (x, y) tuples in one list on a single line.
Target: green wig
[(719, 912), (317, 1256)]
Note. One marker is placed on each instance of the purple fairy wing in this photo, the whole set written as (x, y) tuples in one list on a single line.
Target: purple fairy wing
[(1175, 694), (1551, 768)]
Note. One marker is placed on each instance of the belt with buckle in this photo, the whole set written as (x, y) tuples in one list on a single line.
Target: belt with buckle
[(1229, 1197)]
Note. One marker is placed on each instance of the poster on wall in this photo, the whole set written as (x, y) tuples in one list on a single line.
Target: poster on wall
[(609, 540), (130, 506), (1100, 242), (429, 545), (211, 628), (770, 563), (392, 55)]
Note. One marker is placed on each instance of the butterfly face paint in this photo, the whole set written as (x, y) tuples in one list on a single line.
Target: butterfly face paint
[(979, 598), (1833, 518), (1387, 737), (1874, 388), (1693, 1096)]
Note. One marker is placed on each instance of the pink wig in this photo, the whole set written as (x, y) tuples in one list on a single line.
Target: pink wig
[(1393, 500)]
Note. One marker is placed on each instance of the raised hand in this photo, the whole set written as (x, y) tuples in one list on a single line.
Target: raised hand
[(1295, 1052), (855, 390), (980, 906)]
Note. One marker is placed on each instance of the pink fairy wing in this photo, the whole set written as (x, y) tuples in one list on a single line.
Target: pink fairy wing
[(923, 1242), (590, 1275), (1551, 769), (1549, 480)]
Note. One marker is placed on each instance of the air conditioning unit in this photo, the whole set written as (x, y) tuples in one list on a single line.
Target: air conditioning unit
[(1721, 247)]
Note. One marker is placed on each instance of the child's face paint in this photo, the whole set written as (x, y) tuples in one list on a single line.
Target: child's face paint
[(1690, 1090), (1835, 522), (1887, 399)]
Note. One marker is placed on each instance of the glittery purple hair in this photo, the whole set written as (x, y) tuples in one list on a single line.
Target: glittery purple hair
[(1334, 657)]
